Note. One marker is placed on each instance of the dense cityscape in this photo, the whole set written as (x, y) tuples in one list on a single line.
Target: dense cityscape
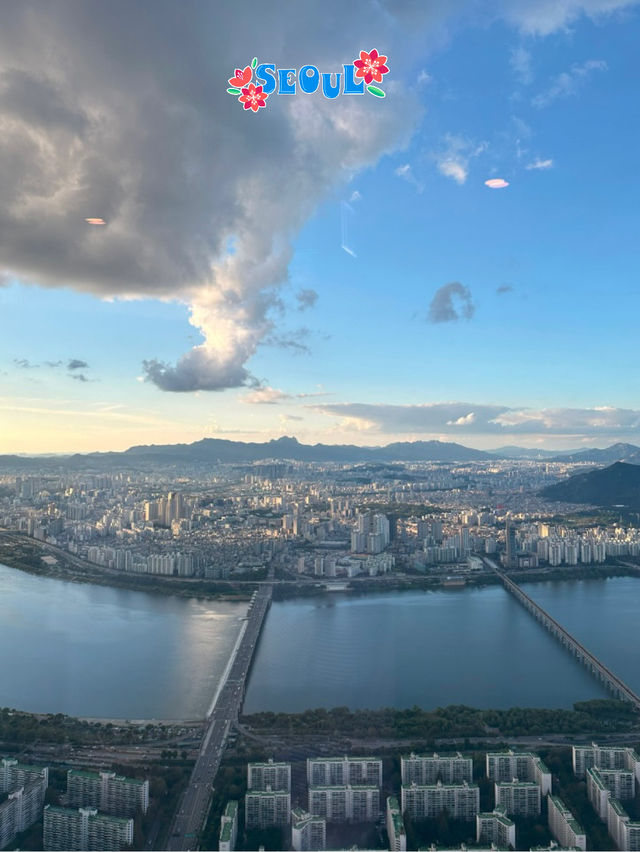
[(279, 528), (310, 520)]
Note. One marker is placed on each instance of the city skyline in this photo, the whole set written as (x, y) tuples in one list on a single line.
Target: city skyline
[(334, 270)]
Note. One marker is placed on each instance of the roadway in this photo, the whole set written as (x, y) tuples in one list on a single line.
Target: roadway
[(193, 807)]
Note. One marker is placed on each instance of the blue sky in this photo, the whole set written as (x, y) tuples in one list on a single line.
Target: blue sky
[(548, 267)]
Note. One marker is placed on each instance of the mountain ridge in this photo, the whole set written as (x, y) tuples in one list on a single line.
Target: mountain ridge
[(616, 485)]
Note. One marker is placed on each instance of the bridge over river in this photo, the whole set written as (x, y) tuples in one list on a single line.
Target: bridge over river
[(194, 805), (618, 687)]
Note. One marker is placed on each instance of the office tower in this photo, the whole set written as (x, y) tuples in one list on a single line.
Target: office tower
[(520, 798), (21, 809), (308, 832), (14, 774), (229, 828), (421, 801), (523, 765), (108, 792), (333, 771), (496, 828), (358, 803), (267, 807), (511, 546), (395, 826), (563, 825), (429, 769), (277, 776), (84, 829)]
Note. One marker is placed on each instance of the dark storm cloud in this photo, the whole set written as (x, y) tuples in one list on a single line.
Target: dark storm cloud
[(451, 303), (76, 364)]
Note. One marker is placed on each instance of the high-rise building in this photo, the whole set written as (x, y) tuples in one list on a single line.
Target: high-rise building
[(429, 769), (108, 792), (520, 798), (496, 828), (626, 834), (14, 774), (564, 826), (345, 803), (422, 801), (395, 826), (21, 809), (511, 546), (308, 832), (523, 765), (263, 808), (228, 828), (336, 771), (277, 776), (605, 757), (84, 829), (618, 784)]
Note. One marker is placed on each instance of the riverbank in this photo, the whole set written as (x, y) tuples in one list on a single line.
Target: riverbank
[(285, 590), (42, 559), (28, 555)]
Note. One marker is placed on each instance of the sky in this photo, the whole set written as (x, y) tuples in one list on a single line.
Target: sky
[(333, 269)]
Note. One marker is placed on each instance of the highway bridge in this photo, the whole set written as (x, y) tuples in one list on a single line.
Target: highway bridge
[(592, 663), (193, 808)]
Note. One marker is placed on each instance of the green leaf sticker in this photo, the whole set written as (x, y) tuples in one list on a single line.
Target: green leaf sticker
[(254, 61), (376, 91), (234, 91)]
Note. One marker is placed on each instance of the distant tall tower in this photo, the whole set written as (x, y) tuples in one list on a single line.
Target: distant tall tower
[(512, 550)]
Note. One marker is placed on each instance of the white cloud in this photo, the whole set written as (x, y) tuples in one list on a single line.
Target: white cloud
[(463, 421), (540, 164), (405, 172), (543, 17), (265, 396), (520, 62), (453, 160), (457, 418), (567, 83)]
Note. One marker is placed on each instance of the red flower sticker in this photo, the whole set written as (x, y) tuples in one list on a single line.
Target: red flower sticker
[(242, 77), (253, 97), (371, 66)]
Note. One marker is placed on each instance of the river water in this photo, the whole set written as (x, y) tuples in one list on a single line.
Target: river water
[(478, 647), (98, 651)]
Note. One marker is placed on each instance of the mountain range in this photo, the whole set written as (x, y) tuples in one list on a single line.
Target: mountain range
[(213, 450)]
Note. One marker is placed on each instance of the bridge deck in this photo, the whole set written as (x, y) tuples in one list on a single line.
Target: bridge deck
[(194, 805), (612, 681)]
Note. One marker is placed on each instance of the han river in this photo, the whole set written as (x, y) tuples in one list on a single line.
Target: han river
[(111, 653)]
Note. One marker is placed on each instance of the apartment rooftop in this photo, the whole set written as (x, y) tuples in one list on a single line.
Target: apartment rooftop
[(231, 809), (499, 815)]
